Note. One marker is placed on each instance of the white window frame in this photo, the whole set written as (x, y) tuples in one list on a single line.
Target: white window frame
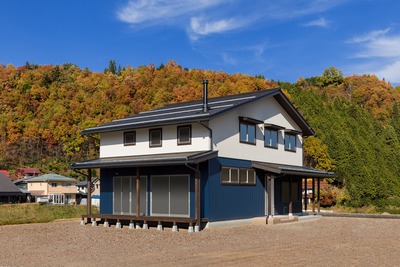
[(126, 135), (239, 172)]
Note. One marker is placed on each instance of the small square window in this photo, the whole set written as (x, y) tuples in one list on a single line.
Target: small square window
[(155, 137), (184, 135), (53, 184), (129, 138)]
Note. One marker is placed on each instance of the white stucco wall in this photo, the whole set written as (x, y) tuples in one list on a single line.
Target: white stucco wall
[(112, 144), (226, 134), (225, 131)]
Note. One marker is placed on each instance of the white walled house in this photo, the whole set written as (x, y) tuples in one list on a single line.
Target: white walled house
[(225, 158)]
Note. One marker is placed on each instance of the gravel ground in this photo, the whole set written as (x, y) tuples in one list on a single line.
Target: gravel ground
[(321, 242)]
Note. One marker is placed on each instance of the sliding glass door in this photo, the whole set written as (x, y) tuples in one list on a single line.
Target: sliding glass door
[(125, 195)]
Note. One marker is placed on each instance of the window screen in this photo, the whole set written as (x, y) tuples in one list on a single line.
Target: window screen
[(129, 138), (184, 135), (155, 136)]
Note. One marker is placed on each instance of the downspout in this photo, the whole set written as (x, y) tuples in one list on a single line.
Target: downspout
[(211, 134)]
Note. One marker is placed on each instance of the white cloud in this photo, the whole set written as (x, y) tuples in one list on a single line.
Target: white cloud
[(205, 17), (228, 59), (390, 72), (321, 22), (382, 53), (200, 26), (141, 11), (369, 36)]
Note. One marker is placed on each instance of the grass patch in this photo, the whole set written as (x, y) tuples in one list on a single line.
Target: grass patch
[(36, 213)]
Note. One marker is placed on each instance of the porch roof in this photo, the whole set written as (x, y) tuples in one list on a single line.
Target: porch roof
[(147, 160), (292, 170)]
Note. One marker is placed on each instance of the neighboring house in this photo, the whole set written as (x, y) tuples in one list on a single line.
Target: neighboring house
[(10, 193), (55, 188), (26, 173), (225, 158), (82, 192)]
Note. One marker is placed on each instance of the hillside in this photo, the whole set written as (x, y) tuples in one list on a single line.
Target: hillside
[(44, 109)]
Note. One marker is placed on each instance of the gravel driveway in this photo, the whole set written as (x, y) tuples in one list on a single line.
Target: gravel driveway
[(322, 242)]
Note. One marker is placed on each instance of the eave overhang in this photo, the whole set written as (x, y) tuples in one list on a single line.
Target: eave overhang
[(147, 160), (282, 169)]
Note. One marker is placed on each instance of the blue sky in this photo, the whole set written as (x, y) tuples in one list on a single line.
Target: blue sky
[(281, 40)]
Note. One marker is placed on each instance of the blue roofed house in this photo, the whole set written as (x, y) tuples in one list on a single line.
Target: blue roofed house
[(217, 159)]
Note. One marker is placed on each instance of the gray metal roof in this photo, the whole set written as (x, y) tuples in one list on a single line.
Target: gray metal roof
[(293, 170), (147, 160), (7, 187), (52, 178), (188, 112)]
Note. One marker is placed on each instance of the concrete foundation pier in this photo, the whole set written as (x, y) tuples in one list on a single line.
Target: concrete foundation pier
[(106, 224), (94, 223), (190, 230), (174, 228), (197, 228), (82, 222), (145, 226), (138, 226), (118, 225), (159, 227), (131, 225)]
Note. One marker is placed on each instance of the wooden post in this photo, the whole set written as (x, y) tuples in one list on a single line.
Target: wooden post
[(318, 195), (137, 191), (197, 195), (290, 197), (305, 194), (268, 185), (89, 195), (313, 195), (272, 197)]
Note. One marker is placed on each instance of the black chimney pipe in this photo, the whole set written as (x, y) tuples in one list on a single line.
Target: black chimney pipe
[(205, 96)]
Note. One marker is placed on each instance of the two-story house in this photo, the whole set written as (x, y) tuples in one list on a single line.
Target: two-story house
[(225, 158), (54, 188)]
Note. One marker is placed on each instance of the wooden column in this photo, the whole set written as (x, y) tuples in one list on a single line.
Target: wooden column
[(318, 195), (272, 197), (268, 185), (137, 191), (313, 195), (197, 195), (89, 194), (305, 194), (290, 197)]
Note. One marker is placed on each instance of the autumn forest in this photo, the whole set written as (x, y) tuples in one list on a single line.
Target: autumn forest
[(44, 108)]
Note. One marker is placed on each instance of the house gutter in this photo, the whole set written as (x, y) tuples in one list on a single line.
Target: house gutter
[(211, 134)]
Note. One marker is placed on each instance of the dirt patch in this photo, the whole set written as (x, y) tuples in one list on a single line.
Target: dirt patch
[(323, 242)]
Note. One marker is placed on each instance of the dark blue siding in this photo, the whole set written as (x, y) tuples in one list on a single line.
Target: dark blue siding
[(224, 202), (106, 191), (106, 179), (282, 208)]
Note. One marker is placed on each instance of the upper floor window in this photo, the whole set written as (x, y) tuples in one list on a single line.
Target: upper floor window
[(247, 130), (290, 142), (184, 135), (247, 133), (129, 138), (271, 138), (155, 137), (53, 184)]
